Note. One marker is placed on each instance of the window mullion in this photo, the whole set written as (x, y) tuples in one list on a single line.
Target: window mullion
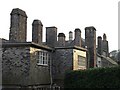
[(43, 58)]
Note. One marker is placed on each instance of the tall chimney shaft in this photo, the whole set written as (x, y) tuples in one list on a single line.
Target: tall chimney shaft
[(37, 28), (99, 45), (61, 39), (90, 42), (77, 37), (18, 27), (70, 35), (51, 36)]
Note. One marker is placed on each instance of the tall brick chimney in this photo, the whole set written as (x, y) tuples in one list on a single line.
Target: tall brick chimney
[(37, 28), (18, 26), (105, 45), (90, 42), (51, 36), (99, 48), (77, 39), (70, 35), (61, 39)]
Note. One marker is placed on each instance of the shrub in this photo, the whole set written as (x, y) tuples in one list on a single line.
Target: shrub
[(93, 78)]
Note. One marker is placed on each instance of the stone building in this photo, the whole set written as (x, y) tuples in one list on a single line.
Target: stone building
[(103, 58), (39, 64)]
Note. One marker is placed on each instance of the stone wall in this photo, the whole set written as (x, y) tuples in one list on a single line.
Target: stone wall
[(106, 63), (62, 62), (20, 67), (103, 61), (39, 74), (15, 65), (65, 60)]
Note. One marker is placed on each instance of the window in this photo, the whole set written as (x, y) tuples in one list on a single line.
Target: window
[(81, 62), (43, 58)]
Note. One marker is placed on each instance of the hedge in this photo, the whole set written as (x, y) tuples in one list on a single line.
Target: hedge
[(93, 78)]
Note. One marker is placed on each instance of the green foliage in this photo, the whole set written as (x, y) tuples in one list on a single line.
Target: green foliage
[(93, 78)]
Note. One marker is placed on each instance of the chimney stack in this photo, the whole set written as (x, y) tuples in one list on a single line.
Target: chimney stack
[(61, 39), (70, 36), (90, 42), (18, 27), (105, 45), (51, 36), (77, 37), (37, 28), (99, 45)]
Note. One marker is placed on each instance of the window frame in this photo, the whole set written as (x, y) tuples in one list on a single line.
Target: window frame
[(43, 58), (79, 61)]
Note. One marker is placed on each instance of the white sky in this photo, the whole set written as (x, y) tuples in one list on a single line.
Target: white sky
[(66, 15)]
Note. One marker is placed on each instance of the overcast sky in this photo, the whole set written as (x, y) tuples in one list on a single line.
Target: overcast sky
[(66, 15)]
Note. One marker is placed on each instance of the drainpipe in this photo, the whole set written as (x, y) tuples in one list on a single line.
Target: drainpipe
[(51, 79)]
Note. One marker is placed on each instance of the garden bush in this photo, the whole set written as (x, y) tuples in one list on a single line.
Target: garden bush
[(93, 78)]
